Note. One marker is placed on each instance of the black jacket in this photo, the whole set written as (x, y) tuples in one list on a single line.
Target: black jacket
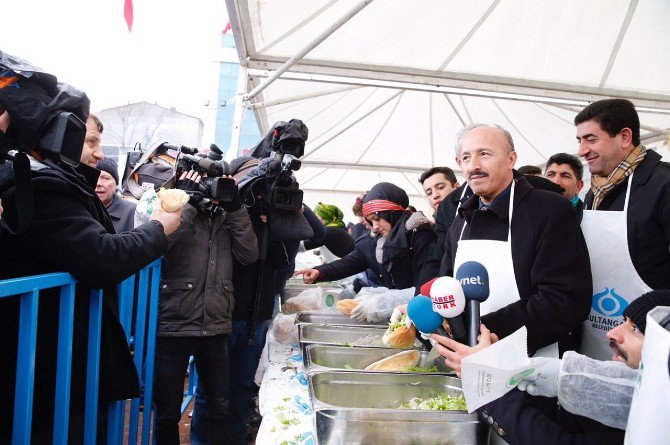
[(71, 232), (521, 419), (337, 240), (551, 263), (122, 213), (648, 218), (404, 272)]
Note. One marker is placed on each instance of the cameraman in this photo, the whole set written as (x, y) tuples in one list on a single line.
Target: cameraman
[(195, 308), (68, 230)]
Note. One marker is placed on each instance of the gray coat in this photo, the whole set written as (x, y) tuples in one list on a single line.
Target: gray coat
[(196, 291), (122, 213)]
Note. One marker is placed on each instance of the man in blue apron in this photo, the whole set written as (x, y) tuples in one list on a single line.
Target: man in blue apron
[(626, 220), (528, 240)]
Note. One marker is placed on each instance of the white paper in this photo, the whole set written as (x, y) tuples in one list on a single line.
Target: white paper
[(492, 372)]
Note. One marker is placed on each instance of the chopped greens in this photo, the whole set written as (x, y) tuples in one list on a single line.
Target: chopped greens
[(441, 402), (393, 326), (420, 369)]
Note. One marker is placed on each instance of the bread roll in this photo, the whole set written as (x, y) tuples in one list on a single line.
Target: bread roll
[(172, 199), (401, 337), (397, 362), (346, 306)]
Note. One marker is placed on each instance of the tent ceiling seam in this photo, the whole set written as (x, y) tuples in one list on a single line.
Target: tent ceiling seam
[(341, 120), (617, 45), (416, 187), (577, 110), (465, 108), (354, 123), (509, 121), (556, 115), (340, 180), (323, 170), (451, 104), (469, 35), (386, 121), (430, 129), (297, 27), (332, 104)]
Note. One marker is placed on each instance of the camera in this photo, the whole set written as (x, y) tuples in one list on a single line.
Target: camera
[(213, 186)]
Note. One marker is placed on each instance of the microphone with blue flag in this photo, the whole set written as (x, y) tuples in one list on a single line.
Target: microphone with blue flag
[(474, 279), (420, 311)]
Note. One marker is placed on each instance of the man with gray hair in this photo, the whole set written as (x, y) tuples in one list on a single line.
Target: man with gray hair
[(529, 242)]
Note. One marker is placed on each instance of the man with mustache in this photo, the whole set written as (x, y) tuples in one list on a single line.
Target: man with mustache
[(594, 396), (528, 240), (626, 221)]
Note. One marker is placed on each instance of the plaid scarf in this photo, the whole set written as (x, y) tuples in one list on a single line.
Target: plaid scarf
[(601, 186)]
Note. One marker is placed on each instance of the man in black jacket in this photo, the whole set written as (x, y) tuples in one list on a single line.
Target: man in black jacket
[(626, 220), (70, 231), (566, 171), (528, 240)]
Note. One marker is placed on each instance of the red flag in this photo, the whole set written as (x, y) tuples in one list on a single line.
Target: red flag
[(128, 13), (226, 29)]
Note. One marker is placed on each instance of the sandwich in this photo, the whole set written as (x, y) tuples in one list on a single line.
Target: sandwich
[(172, 199), (346, 306), (399, 335), (397, 362)]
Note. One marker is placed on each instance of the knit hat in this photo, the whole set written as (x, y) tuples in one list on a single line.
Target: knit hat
[(110, 166), (637, 310), (331, 214)]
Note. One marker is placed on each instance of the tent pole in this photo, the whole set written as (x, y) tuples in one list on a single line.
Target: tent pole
[(310, 46), (286, 100), (238, 115)]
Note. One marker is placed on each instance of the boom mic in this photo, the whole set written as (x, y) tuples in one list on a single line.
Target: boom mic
[(474, 279), (420, 311), (449, 302)]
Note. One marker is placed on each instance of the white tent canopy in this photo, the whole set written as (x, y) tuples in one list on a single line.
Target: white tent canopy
[(384, 86)]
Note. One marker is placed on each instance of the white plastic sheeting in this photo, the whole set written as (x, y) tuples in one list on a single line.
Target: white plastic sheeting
[(385, 93)]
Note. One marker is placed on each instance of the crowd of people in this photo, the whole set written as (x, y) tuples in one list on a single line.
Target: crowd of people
[(578, 275)]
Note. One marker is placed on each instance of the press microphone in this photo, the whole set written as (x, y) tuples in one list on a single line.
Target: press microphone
[(474, 279), (420, 311), (425, 289), (448, 300)]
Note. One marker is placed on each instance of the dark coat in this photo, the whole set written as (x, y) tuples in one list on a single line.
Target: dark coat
[(196, 297), (551, 263), (71, 232), (524, 420), (122, 213), (404, 271), (648, 218), (337, 240)]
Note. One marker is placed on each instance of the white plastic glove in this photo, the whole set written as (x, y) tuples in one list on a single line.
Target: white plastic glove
[(367, 292), (380, 306), (545, 383)]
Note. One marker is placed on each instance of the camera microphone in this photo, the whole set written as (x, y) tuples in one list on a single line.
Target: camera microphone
[(474, 279)]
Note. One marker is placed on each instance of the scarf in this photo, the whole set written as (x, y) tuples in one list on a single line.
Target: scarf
[(389, 202), (601, 186), (331, 214)]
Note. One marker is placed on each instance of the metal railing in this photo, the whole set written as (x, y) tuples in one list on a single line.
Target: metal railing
[(138, 313)]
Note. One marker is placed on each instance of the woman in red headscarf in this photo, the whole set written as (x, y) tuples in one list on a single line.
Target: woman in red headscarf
[(397, 248)]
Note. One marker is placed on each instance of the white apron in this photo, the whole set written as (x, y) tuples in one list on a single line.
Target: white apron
[(615, 281), (649, 418), (496, 257)]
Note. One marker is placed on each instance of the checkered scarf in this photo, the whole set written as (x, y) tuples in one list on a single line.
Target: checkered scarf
[(601, 186)]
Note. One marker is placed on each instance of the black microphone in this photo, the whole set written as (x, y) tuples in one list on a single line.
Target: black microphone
[(474, 279)]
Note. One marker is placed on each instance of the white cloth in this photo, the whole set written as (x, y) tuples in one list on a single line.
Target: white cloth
[(496, 257), (649, 418), (616, 283)]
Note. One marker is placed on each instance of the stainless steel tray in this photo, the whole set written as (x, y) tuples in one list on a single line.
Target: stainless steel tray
[(333, 319), (319, 358), (360, 408), (344, 336)]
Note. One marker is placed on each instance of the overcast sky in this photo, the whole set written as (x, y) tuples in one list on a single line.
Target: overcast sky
[(168, 57)]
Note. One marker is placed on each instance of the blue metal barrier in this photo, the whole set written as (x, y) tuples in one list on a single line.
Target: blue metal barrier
[(140, 331)]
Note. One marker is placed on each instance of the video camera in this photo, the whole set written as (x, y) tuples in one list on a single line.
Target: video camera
[(282, 146), (214, 186)]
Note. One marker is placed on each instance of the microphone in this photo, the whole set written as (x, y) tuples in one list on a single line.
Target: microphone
[(474, 279), (449, 302), (420, 311), (425, 289)]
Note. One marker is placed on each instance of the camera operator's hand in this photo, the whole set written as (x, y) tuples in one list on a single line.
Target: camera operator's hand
[(309, 276), (189, 181), (236, 202), (169, 220), (1, 209), (4, 120)]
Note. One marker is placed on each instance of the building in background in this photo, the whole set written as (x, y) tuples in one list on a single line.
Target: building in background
[(229, 70)]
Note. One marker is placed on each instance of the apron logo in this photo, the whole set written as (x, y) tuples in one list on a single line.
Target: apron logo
[(609, 303)]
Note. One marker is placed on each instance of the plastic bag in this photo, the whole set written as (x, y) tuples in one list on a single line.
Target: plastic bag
[(284, 329), (307, 300), (145, 207), (375, 307)]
